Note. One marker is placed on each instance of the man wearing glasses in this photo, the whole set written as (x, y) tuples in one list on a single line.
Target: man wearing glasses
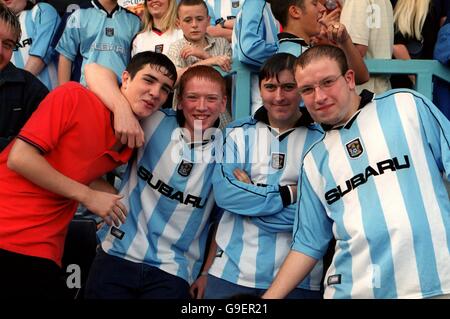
[(374, 183)]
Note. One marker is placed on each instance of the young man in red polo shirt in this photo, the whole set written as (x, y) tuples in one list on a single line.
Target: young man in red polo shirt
[(57, 162)]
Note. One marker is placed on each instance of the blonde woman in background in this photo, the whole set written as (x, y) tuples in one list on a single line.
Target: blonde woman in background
[(416, 24), (160, 29)]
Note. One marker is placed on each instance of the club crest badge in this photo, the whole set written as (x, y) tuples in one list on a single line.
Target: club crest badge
[(354, 148), (185, 168), (109, 32), (278, 160), (235, 4)]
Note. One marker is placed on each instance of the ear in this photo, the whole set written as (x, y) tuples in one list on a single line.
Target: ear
[(350, 79), (177, 23), (126, 78), (179, 103), (294, 12)]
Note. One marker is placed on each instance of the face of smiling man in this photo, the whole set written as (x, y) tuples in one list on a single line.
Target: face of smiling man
[(201, 102)]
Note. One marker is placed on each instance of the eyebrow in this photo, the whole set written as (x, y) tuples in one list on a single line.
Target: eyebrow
[(280, 84), (9, 40), (148, 75)]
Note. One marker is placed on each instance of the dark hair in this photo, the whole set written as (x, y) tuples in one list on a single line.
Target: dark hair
[(192, 3), (158, 61), (323, 51), (8, 17), (201, 72), (276, 64), (280, 9)]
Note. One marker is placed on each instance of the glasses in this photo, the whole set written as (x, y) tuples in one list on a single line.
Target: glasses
[(323, 84)]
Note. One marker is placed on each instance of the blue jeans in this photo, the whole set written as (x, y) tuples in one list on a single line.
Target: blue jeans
[(217, 288), (112, 277)]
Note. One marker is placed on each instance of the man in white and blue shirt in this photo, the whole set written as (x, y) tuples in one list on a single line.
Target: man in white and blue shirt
[(256, 185), (158, 252), (375, 184), (101, 35)]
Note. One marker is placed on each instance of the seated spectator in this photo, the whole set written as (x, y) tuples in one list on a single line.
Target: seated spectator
[(35, 54), (20, 91)]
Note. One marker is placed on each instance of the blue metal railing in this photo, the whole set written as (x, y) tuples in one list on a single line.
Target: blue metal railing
[(423, 69)]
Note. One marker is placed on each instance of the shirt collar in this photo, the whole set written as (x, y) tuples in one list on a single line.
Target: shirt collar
[(305, 120), (261, 115), (11, 74), (99, 6), (289, 37), (209, 40)]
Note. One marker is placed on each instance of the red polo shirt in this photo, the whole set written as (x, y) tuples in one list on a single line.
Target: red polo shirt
[(72, 128)]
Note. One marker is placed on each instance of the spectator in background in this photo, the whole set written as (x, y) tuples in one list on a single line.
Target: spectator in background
[(101, 33), (441, 91), (254, 40), (255, 34), (159, 30), (34, 51), (197, 47), (370, 25), (20, 91), (416, 25), (307, 21), (223, 14)]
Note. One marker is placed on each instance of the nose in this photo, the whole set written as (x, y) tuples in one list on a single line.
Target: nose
[(201, 104), (319, 94), (279, 94), (155, 91)]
